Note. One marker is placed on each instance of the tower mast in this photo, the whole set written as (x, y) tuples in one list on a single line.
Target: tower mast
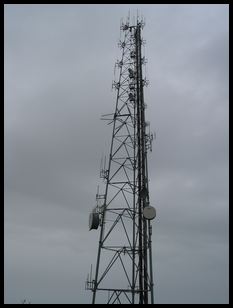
[(123, 211)]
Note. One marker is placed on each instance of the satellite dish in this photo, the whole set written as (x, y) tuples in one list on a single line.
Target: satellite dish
[(149, 212), (94, 221)]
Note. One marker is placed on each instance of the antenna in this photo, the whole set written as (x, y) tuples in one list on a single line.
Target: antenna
[(123, 272)]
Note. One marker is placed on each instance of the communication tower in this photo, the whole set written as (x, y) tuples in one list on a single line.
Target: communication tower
[(123, 272)]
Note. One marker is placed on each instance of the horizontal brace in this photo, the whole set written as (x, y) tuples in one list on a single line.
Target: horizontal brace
[(123, 290), (122, 182), (123, 115)]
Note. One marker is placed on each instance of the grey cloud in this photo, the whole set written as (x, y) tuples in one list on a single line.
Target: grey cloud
[(59, 63)]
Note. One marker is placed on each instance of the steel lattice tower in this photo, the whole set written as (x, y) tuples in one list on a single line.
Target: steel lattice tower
[(123, 212)]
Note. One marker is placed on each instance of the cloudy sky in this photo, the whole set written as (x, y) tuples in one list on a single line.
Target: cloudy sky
[(59, 62)]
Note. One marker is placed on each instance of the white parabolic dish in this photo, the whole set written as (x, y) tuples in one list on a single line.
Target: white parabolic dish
[(149, 212)]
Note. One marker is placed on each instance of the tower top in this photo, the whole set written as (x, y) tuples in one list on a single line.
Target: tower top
[(132, 22)]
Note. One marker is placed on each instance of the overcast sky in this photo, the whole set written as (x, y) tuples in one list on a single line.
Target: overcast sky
[(59, 62)]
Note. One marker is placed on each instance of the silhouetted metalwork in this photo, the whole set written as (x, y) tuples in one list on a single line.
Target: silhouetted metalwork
[(123, 212)]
